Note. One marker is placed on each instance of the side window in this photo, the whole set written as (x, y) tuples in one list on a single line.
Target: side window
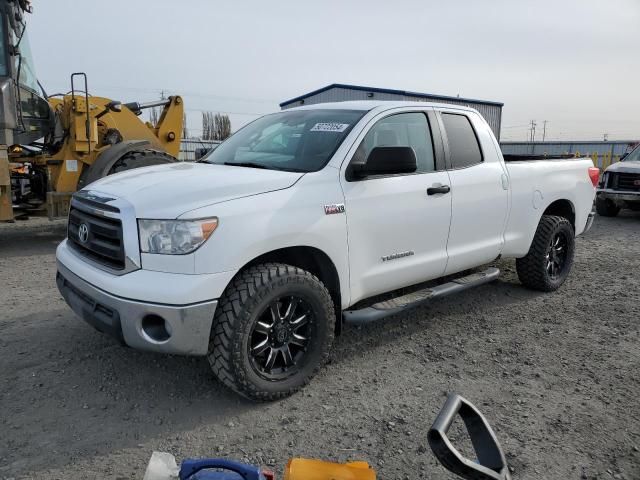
[(463, 143), (401, 130)]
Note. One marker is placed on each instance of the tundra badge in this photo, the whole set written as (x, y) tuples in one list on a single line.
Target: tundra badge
[(395, 256)]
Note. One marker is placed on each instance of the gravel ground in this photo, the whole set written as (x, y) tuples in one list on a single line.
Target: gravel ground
[(556, 374)]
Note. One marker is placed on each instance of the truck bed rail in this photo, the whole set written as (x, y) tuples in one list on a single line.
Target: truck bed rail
[(529, 158)]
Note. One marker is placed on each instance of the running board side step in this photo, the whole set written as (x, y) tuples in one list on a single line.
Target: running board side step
[(411, 300)]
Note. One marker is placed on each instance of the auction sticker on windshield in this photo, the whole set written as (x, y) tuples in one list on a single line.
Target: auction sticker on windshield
[(330, 127)]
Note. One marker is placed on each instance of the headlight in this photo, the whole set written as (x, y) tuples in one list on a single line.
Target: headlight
[(603, 180), (174, 237)]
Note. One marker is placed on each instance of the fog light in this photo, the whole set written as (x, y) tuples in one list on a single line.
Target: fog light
[(156, 328)]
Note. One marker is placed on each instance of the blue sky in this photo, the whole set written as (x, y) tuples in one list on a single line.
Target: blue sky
[(573, 63)]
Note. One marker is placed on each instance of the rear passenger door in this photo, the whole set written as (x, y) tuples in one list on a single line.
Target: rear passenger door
[(479, 191)]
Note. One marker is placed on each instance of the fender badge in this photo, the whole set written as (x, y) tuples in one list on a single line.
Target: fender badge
[(395, 256), (334, 208)]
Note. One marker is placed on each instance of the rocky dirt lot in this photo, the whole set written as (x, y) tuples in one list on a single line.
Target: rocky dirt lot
[(556, 374)]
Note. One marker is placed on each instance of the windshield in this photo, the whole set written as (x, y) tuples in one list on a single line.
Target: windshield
[(27, 70), (634, 156), (298, 141)]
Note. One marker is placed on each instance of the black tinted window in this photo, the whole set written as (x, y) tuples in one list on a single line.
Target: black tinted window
[(463, 144), (401, 130)]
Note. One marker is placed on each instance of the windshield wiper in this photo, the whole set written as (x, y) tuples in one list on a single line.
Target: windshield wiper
[(247, 164)]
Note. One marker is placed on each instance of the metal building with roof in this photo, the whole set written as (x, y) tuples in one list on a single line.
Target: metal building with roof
[(338, 92)]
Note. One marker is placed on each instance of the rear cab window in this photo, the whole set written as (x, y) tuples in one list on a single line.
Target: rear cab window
[(464, 147)]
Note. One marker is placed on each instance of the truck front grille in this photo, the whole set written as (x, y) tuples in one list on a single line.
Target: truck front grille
[(625, 181), (97, 237)]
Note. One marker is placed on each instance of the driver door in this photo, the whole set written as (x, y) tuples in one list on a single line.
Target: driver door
[(397, 232)]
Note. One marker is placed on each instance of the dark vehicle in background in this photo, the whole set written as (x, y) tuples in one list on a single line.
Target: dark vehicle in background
[(620, 186)]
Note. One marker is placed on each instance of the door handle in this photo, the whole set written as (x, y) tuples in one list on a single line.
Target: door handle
[(436, 190)]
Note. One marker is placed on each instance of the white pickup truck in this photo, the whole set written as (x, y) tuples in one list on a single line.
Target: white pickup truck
[(307, 218)]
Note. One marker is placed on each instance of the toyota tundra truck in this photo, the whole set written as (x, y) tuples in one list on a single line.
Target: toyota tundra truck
[(308, 218), (620, 186)]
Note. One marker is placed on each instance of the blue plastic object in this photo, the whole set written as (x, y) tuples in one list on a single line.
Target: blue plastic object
[(198, 470)]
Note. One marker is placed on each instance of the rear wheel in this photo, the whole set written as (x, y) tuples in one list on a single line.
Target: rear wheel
[(550, 258), (606, 207), (273, 330)]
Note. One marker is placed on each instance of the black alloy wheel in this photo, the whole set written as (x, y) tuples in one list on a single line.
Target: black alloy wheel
[(557, 255), (280, 337)]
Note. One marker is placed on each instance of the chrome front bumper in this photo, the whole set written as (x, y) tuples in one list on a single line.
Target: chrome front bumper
[(176, 329), (618, 196)]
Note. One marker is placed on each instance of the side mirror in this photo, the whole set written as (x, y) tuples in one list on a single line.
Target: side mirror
[(386, 161), (491, 463)]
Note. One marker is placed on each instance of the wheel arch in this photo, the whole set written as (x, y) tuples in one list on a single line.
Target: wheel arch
[(562, 208), (314, 261)]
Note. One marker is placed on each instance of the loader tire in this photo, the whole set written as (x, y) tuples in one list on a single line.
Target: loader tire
[(606, 208), (138, 159), (550, 257), (272, 331), (130, 160)]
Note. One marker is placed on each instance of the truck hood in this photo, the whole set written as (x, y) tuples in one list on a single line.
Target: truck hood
[(625, 167), (168, 191)]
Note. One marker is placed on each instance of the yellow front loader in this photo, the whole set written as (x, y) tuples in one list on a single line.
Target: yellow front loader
[(51, 146)]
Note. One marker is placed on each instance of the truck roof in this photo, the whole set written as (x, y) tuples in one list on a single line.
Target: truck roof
[(367, 105)]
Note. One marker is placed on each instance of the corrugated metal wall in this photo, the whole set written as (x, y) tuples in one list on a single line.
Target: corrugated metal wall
[(491, 113), (602, 153)]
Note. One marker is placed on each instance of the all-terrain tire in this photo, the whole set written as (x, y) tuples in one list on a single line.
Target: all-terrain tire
[(606, 208), (533, 270), (241, 307)]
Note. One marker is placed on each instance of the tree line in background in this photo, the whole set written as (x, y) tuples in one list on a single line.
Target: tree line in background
[(215, 126)]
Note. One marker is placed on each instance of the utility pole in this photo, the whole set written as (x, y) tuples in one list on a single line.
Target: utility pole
[(533, 131), (544, 130)]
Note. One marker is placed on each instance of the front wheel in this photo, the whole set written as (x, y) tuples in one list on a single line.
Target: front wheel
[(606, 207), (272, 331), (549, 260)]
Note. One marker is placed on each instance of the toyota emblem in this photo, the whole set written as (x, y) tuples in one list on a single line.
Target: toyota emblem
[(83, 233), (636, 183)]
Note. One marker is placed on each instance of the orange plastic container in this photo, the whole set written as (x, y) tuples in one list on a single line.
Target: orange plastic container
[(305, 469)]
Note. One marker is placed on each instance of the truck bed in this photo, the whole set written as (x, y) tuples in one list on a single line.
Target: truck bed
[(541, 181)]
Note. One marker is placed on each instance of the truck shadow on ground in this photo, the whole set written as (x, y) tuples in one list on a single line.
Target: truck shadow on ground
[(467, 309)]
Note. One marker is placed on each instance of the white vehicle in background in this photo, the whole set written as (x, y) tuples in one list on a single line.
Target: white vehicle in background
[(307, 218), (620, 186)]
